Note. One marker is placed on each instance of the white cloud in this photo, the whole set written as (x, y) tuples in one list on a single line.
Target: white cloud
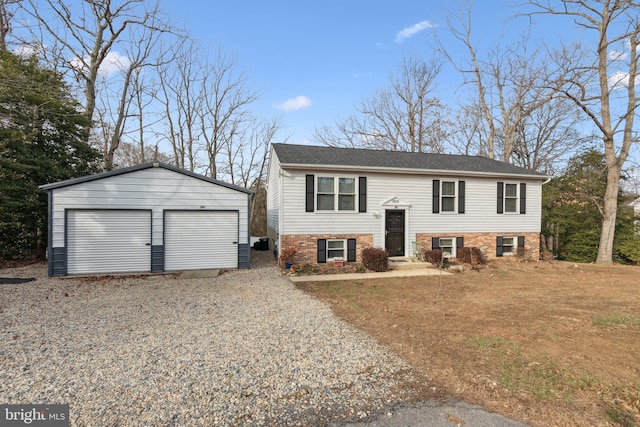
[(294, 104), (362, 75), (413, 30), (615, 55), (113, 63), (620, 80), (25, 50)]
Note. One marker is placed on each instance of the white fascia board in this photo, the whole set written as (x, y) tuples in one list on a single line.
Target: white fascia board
[(404, 171)]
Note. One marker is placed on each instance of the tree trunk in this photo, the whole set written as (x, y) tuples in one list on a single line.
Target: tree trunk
[(605, 250)]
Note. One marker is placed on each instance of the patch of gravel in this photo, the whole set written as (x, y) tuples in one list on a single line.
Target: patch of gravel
[(244, 348)]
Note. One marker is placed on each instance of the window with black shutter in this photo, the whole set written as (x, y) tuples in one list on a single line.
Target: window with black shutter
[(351, 250), (310, 194), (322, 251)]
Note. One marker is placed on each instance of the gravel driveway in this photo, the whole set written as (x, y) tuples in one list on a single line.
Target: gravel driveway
[(244, 348)]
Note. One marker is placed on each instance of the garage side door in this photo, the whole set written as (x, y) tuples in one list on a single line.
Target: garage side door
[(199, 240), (108, 241)]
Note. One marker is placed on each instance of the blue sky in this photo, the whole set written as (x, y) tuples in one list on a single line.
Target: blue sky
[(313, 61)]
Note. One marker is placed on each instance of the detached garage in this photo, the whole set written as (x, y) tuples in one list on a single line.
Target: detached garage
[(147, 218)]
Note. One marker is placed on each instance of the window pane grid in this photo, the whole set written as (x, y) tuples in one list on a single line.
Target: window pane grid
[(325, 202), (511, 198), (448, 204), (448, 188), (335, 249), (325, 184), (336, 192), (346, 203), (448, 196), (446, 245), (508, 245), (347, 185)]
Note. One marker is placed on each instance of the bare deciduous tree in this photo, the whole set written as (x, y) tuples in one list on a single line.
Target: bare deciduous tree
[(515, 115), (83, 36), (139, 53), (460, 27), (129, 155), (402, 117), (180, 96), (6, 15), (226, 94), (600, 79), (548, 136)]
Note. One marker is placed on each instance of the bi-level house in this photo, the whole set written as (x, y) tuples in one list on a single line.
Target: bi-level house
[(330, 203)]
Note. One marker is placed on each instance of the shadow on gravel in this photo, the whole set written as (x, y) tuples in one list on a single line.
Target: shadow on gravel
[(15, 280)]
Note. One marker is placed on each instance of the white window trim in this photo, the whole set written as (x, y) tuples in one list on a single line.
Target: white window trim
[(504, 198), (336, 194), (453, 246), (455, 196), (514, 246), (344, 249)]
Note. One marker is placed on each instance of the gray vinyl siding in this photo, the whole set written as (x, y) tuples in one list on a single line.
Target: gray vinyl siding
[(416, 191), (156, 189), (273, 193)]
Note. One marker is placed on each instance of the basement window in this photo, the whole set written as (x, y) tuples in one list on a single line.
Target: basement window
[(336, 249)]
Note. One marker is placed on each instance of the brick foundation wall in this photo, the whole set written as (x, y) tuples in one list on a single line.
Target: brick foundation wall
[(486, 242), (306, 245)]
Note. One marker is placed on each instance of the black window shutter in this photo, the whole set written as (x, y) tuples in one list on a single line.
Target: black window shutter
[(322, 250), (459, 242), (351, 250), (521, 241), (523, 198), (435, 243), (362, 194), (436, 196), (499, 246), (310, 193), (500, 197), (461, 196)]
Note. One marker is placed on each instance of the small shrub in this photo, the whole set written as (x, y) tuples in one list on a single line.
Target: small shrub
[(471, 256), (434, 256), (375, 259), (286, 255), (306, 269), (630, 249), (360, 268)]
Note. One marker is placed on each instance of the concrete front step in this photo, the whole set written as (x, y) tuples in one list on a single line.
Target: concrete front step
[(407, 263)]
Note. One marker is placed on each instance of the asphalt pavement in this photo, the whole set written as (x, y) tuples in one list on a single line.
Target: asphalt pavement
[(438, 414)]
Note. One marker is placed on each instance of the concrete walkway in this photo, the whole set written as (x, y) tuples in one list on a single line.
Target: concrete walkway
[(363, 276)]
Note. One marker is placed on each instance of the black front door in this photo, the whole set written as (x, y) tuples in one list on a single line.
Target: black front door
[(394, 230)]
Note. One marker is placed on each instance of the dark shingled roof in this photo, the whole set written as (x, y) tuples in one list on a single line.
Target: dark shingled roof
[(290, 154)]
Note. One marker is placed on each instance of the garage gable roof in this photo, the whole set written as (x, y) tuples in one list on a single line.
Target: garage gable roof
[(135, 168), (295, 156)]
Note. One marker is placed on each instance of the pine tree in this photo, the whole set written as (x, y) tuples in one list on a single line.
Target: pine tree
[(41, 141)]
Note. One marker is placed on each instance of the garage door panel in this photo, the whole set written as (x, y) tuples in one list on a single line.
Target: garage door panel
[(196, 240), (108, 241)]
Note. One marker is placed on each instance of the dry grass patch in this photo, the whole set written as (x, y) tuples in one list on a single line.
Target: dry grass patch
[(547, 343)]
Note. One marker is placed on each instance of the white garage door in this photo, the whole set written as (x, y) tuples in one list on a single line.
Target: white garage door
[(108, 241), (197, 240)]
